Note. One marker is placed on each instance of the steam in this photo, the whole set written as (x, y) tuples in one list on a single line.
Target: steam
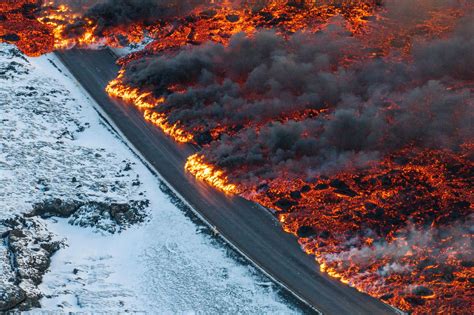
[(409, 239)]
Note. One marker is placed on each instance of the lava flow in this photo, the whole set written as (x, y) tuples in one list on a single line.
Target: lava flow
[(352, 120)]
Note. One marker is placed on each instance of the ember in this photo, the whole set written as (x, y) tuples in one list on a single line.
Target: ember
[(351, 119)]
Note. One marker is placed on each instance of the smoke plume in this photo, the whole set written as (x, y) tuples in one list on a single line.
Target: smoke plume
[(368, 109)]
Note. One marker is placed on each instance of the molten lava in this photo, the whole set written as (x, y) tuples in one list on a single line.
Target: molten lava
[(351, 119), (208, 173)]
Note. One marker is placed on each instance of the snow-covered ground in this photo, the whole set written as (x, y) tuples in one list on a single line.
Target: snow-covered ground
[(54, 145)]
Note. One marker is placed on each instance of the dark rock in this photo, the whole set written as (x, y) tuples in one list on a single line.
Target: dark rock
[(422, 291), (401, 160), (462, 205), (448, 276), (93, 214), (306, 231), (370, 206), (16, 233), (305, 188), (467, 263), (425, 263), (387, 296), (267, 16), (385, 181), (321, 186), (346, 192), (263, 187), (207, 14), (51, 248), (324, 235), (11, 37), (285, 204), (414, 300), (232, 18), (55, 207), (30, 247), (379, 213), (338, 184), (295, 195), (454, 168), (10, 297)]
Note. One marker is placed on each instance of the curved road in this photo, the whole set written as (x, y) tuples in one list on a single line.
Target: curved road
[(255, 232)]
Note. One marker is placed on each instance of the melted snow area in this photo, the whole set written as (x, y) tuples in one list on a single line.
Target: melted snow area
[(54, 145)]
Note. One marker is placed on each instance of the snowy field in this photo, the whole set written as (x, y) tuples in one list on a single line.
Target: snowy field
[(54, 145)]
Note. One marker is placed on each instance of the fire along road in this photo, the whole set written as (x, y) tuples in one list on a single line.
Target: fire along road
[(245, 225)]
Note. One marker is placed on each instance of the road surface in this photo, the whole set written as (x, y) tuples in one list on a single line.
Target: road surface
[(255, 232)]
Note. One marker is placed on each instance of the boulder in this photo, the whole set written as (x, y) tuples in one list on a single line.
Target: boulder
[(306, 231)]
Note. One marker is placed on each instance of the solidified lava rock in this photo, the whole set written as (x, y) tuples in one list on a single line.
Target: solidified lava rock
[(385, 181), (267, 16), (55, 207), (338, 184), (346, 192), (11, 37), (29, 247), (467, 263), (324, 234), (306, 231), (370, 206), (305, 188), (285, 204), (414, 300), (295, 195), (110, 217), (10, 297), (207, 14), (342, 188), (387, 296), (321, 186), (422, 291), (232, 18)]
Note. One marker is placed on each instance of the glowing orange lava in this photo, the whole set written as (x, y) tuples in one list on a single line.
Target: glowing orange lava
[(209, 174)]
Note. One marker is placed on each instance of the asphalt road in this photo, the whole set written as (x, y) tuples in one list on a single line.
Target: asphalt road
[(254, 231)]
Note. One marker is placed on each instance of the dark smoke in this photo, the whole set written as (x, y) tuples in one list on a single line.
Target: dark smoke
[(255, 81), (266, 78), (112, 13)]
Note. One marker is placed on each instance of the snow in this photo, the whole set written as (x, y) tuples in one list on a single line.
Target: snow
[(54, 145)]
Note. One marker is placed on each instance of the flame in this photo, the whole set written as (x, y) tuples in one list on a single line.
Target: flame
[(146, 101), (57, 19), (172, 130), (140, 99), (209, 174)]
